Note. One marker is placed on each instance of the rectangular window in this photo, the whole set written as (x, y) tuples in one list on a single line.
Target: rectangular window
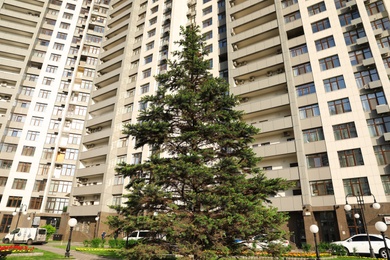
[(43, 169), (56, 205), (145, 88), (50, 138), (3, 181), (378, 126), (32, 135), (61, 35), (208, 35), (321, 188), (386, 183), (299, 50), (28, 150), (118, 180), (19, 184), (325, 43), (150, 45), (60, 186), (320, 25), (357, 57), (207, 22), (71, 154), (207, 10), (363, 78), (309, 111), (346, 18), (313, 135), (148, 59), (147, 73), (383, 24), (136, 158), (47, 153), (317, 160), (344, 131), (292, 17), (47, 81), (334, 83), (151, 33), (287, 3), (116, 200), (371, 100), (35, 203), (44, 93), (339, 106), (356, 186), (24, 167), (68, 170), (301, 69), (14, 202), (329, 62), (382, 154), (350, 37), (349, 158), (316, 9), (74, 139)]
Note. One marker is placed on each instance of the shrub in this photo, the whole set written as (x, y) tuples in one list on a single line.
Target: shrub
[(95, 243), (306, 247), (87, 243), (323, 247), (50, 231), (338, 250)]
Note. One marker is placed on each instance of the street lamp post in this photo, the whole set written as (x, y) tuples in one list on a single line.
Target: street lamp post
[(32, 219), (360, 202), (19, 213), (382, 227), (72, 223), (97, 225), (314, 229)]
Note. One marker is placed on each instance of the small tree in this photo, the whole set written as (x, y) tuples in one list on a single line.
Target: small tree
[(201, 186), (50, 231)]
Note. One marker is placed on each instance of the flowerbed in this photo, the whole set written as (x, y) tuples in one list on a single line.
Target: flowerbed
[(293, 254), (96, 249), (16, 249)]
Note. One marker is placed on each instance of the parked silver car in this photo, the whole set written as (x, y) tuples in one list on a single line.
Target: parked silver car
[(359, 244), (260, 242)]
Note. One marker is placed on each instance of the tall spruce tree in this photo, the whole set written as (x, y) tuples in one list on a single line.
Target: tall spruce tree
[(200, 186)]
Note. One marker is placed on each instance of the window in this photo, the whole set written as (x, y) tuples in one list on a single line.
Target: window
[(60, 186), (14, 132), (47, 81), (222, 16), (32, 135), (383, 42), (364, 77), (222, 29), (154, 9), (71, 154), (50, 138), (316, 9), (313, 135), (317, 160), (292, 17), (47, 153), (14, 201), (8, 148), (344, 131), (371, 100), (27, 91), (321, 188), (386, 62), (18, 118), (320, 25), (35, 203), (378, 126), (40, 107), (118, 180), (28, 150), (137, 51), (64, 26), (61, 35), (57, 111), (5, 164), (346, 18), (209, 48), (85, 84), (153, 21), (67, 16), (136, 158), (147, 73), (287, 3), (222, 43), (309, 111), (339, 106), (145, 88), (43, 169), (301, 69), (74, 139), (116, 200), (356, 186), (329, 62), (207, 22), (56, 205), (325, 43), (350, 37), (151, 33), (77, 124), (349, 158), (68, 170), (89, 72), (148, 59), (299, 50), (142, 105), (3, 181), (46, 31), (44, 93), (150, 45), (208, 35), (207, 10), (357, 57), (19, 184), (24, 167), (383, 24), (375, 7), (70, 6), (382, 154)]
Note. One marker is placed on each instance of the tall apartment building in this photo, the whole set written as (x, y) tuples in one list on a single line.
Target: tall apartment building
[(313, 76), (48, 55)]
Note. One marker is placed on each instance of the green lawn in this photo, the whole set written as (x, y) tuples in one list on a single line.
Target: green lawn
[(46, 256)]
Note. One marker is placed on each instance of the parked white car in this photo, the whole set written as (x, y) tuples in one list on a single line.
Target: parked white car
[(260, 242), (140, 234), (359, 244)]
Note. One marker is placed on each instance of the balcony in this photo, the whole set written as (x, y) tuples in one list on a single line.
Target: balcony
[(275, 149), (96, 152), (91, 170), (89, 188)]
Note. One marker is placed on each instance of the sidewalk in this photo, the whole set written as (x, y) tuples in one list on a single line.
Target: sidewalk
[(51, 247)]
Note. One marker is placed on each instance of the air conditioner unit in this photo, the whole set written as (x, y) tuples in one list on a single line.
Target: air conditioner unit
[(232, 32), (245, 99), (235, 64), (58, 166), (251, 79), (95, 197), (279, 51), (269, 73), (286, 134), (235, 47), (366, 86)]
